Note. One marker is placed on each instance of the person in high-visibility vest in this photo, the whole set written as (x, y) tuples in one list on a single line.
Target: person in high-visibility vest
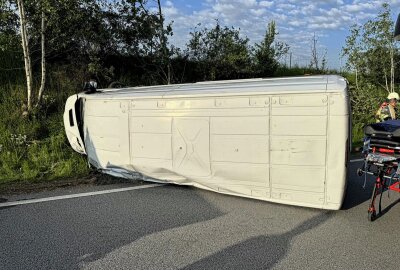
[(388, 109)]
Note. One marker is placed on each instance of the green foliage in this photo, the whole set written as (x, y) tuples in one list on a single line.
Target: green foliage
[(10, 67), (352, 49), (371, 51), (84, 32), (35, 148), (268, 52), (371, 59), (365, 102), (284, 71), (220, 52)]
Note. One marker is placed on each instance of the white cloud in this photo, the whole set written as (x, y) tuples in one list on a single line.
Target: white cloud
[(170, 11), (322, 26), (257, 12), (297, 20), (266, 4), (248, 3), (294, 12), (224, 8), (359, 7), (286, 6), (297, 23)]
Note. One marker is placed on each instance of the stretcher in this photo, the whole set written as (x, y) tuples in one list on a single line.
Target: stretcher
[(381, 159)]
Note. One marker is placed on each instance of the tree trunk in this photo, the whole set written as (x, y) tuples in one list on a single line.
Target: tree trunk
[(314, 54), (386, 80), (27, 56), (165, 58), (391, 69), (357, 79), (43, 81)]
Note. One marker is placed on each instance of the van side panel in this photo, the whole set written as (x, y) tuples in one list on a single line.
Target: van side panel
[(106, 132), (338, 145), (288, 148), (220, 144), (298, 148)]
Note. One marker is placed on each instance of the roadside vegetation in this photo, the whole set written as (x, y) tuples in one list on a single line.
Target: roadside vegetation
[(70, 42), (34, 147), (373, 67)]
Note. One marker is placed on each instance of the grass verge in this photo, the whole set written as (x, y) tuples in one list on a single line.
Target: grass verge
[(35, 148)]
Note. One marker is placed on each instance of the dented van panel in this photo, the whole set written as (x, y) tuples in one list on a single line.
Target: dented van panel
[(282, 140)]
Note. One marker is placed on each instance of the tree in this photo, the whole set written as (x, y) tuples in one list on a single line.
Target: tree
[(318, 61), (8, 26), (11, 56), (163, 45), (268, 52), (379, 48), (28, 29), (26, 50), (43, 52), (371, 50), (353, 50), (80, 29), (220, 52)]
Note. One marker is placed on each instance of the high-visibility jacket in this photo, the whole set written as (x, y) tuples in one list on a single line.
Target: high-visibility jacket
[(385, 112)]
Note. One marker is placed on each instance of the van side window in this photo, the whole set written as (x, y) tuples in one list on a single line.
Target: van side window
[(71, 118)]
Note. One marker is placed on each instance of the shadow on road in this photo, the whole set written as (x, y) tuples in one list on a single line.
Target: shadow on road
[(262, 252), (386, 209), (355, 193), (65, 234)]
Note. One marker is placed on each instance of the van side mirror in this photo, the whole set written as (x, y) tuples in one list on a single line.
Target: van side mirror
[(90, 87), (397, 29)]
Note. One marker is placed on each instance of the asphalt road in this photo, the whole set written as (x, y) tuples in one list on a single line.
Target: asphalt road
[(172, 227)]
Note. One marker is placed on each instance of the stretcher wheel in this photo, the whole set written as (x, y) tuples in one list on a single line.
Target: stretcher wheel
[(371, 215)]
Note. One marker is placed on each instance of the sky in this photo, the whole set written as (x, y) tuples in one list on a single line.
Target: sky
[(297, 21)]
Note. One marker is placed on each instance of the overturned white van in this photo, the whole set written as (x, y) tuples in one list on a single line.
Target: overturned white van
[(283, 140)]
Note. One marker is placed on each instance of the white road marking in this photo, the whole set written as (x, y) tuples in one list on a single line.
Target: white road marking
[(356, 160), (78, 195)]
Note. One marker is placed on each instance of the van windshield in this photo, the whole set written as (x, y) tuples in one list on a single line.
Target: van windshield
[(79, 112)]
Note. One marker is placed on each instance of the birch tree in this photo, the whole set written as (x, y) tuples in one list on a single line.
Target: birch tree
[(43, 56), (370, 50), (353, 51), (26, 51), (379, 48)]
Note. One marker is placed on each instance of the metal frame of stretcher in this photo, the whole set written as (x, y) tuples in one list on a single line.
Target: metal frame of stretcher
[(385, 167)]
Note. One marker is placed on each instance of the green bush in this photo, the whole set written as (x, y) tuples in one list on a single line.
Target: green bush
[(35, 148), (365, 101)]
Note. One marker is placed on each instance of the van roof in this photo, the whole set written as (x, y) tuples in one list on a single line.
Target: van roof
[(304, 84)]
